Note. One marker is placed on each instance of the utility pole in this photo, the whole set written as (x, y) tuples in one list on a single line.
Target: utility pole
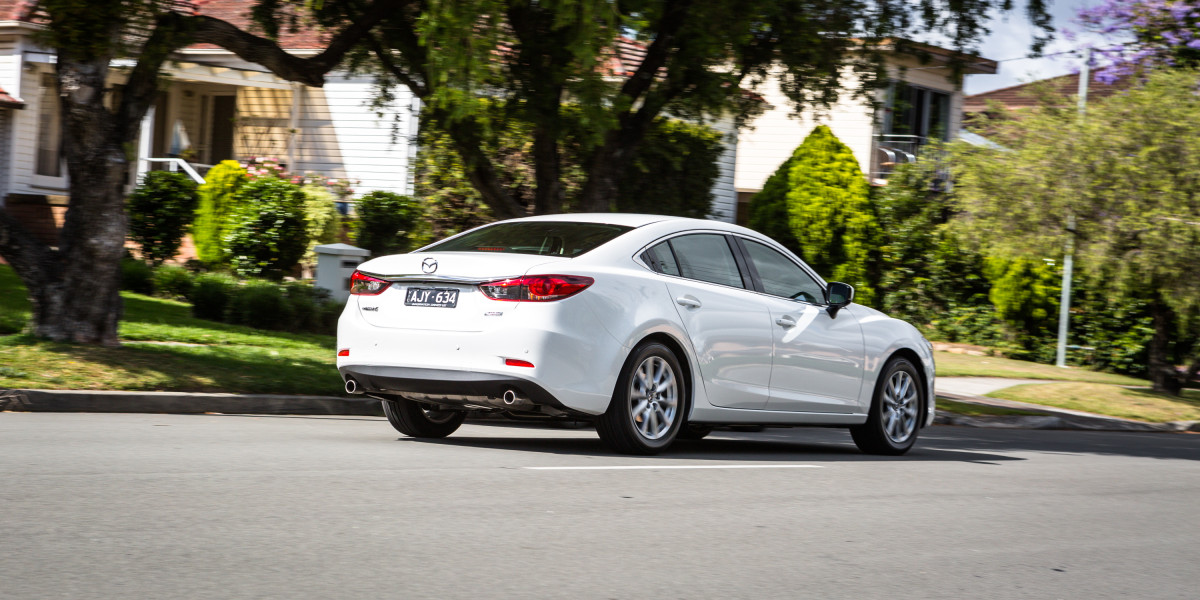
[(1064, 303)]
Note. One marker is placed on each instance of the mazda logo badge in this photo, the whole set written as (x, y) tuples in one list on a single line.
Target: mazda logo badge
[(429, 265)]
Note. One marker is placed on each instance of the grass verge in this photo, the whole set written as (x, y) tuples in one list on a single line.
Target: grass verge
[(965, 365), (1111, 400), (981, 410), (166, 349)]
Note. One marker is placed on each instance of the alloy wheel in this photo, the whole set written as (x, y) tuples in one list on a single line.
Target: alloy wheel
[(653, 398), (900, 405)]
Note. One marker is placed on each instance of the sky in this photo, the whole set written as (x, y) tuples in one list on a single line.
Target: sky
[(1009, 42)]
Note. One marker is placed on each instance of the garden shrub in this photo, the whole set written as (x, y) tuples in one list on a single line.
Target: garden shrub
[(262, 305), (831, 215), (160, 210), (818, 204), (673, 171), (173, 282), (136, 276), (211, 294), (324, 221), (386, 222), (217, 202), (769, 211), (268, 235)]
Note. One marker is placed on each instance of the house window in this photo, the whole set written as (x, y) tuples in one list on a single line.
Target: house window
[(915, 111), (49, 136)]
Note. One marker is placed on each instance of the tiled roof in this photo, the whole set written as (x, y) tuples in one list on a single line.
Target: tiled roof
[(15, 10), (237, 12), (1022, 96)]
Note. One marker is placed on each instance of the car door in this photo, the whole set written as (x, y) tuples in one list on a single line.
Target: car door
[(818, 356), (729, 325)]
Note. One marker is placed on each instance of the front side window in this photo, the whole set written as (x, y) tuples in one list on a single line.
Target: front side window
[(49, 135), (545, 238), (706, 257), (782, 277)]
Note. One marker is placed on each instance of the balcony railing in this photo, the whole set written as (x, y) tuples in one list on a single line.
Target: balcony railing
[(891, 150)]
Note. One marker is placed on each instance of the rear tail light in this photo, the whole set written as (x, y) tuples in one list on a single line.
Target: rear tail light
[(365, 285), (536, 288)]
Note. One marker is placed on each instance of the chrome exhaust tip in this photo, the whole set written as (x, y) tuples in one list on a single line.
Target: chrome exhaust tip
[(352, 386), (510, 397)]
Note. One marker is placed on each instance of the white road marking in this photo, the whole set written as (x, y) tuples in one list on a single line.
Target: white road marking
[(664, 467)]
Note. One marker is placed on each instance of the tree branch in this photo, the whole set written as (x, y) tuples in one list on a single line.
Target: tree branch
[(385, 59), (673, 19), (173, 31)]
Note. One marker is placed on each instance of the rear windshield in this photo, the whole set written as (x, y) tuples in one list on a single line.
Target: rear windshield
[(547, 238)]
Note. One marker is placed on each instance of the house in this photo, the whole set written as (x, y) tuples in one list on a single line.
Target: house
[(1027, 95), (921, 103), (214, 107)]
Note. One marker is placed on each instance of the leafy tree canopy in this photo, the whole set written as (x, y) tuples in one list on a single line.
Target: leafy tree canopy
[(1142, 34), (625, 63), (1121, 183)]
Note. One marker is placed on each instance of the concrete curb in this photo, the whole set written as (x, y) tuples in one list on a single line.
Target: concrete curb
[(183, 403), (1052, 418), (270, 404)]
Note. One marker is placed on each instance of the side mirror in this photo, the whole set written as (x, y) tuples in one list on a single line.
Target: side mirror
[(840, 294)]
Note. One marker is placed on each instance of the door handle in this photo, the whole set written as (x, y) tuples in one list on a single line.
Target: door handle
[(688, 301), (786, 322)]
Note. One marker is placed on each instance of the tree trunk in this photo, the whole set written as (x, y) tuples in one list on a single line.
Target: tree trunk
[(1164, 377), (81, 301), (548, 198), (604, 170)]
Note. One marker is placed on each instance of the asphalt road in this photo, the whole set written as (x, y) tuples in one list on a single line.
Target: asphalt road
[(217, 506)]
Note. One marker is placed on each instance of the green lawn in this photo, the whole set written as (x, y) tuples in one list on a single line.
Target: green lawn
[(165, 349), (979, 410), (1112, 400), (965, 365)]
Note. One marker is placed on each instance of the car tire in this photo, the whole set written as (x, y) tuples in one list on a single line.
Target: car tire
[(647, 408), (411, 419), (895, 419), (694, 432)]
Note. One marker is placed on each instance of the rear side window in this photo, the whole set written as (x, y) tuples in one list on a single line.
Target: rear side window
[(661, 259), (546, 238), (706, 257)]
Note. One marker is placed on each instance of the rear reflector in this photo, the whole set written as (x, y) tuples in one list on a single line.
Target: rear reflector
[(536, 288), (344, 352), (512, 362)]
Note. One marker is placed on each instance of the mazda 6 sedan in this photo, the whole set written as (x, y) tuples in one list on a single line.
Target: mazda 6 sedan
[(654, 328)]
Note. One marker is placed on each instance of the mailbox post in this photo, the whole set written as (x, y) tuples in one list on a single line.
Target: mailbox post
[(335, 264)]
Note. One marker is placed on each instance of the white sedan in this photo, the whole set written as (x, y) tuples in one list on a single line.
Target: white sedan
[(656, 328)]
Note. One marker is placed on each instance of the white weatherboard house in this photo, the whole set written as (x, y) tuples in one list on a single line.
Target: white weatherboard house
[(214, 107), (921, 103)]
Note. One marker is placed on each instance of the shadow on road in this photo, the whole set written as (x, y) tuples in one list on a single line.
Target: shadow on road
[(939, 444)]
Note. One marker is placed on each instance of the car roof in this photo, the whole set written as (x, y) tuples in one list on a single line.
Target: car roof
[(626, 219)]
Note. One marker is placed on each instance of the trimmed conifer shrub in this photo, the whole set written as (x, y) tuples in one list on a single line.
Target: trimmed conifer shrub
[(829, 213), (218, 201)]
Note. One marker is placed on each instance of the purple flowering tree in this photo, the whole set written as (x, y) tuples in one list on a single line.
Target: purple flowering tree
[(1155, 34)]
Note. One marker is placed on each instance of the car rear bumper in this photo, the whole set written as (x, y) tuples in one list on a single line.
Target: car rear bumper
[(463, 389)]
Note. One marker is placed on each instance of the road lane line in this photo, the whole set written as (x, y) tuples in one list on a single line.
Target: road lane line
[(648, 467)]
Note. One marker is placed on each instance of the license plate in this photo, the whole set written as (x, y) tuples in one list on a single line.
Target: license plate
[(435, 297)]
